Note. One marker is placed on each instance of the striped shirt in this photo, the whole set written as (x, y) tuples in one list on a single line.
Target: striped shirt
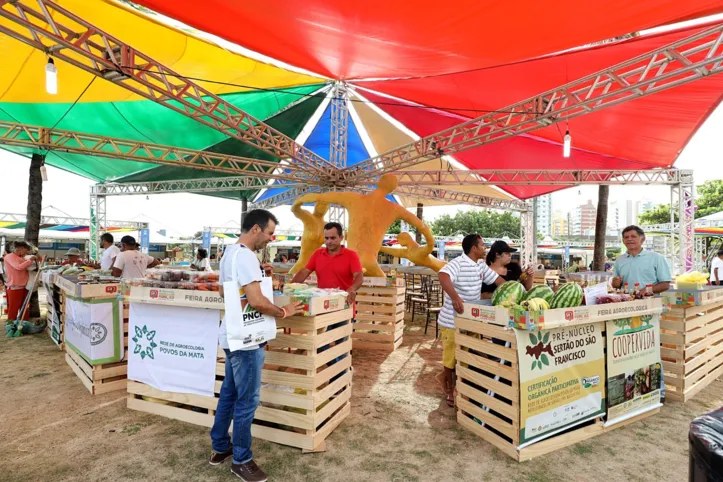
[(467, 278)]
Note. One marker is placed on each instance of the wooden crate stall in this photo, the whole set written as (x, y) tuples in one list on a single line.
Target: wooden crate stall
[(305, 391), (379, 318), (692, 348), (488, 392), (54, 300), (102, 378)]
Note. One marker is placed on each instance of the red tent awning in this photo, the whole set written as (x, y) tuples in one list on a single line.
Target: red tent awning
[(652, 130), (352, 39)]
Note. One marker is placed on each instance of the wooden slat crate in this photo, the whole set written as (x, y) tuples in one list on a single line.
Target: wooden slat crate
[(56, 298), (488, 393), (379, 318), (692, 348), (103, 378), (305, 395)]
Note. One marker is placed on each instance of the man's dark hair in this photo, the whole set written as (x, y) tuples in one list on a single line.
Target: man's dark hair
[(107, 237), (257, 217), (22, 244), (338, 227), (720, 252), (632, 227), (128, 240), (469, 242), (202, 253)]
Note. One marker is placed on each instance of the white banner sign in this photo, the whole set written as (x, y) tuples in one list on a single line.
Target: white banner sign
[(94, 329), (173, 348)]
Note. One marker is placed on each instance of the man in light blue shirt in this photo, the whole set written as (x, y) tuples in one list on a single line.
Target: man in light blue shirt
[(644, 267), (640, 265)]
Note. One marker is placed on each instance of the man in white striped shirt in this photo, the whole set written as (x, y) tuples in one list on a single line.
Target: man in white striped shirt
[(461, 280)]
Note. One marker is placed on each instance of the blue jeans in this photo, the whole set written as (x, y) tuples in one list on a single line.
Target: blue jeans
[(237, 401)]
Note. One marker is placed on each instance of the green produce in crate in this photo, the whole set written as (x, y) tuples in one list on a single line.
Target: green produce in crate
[(540, 291), (510, 291), (568, 295)]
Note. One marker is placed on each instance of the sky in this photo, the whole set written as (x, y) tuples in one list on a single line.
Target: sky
[(184, 214)]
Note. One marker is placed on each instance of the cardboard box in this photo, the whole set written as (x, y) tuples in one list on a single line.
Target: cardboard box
[(71, 288), (483, 310), (172, 297), (316, 305), (548, 319), (688, 297)]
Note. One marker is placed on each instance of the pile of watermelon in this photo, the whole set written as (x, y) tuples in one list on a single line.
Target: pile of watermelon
[(512, 293)]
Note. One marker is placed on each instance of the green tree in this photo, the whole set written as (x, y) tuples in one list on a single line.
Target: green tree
[(710, 198), (486, 223), (660, 214)]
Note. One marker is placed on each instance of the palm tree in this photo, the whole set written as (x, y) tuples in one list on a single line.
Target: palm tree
[(601, 221), (32, 223)]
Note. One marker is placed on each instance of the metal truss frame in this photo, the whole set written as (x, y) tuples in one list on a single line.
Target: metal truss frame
[(338, 138), (208, 185), (37, 137), (511, 177), (528, 236), (63, 35), (98, 219), (687, 60), (686, 231)]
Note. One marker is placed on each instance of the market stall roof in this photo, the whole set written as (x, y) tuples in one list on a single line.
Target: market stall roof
[(380, 39), (47, 235)]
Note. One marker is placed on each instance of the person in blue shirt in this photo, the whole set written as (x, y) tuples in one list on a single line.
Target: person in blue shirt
[(644, 267), (640, 265)]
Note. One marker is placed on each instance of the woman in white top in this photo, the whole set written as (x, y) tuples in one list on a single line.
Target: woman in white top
[(201, 263)]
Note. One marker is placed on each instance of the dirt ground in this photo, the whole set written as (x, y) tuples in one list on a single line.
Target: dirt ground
[(400, 429)]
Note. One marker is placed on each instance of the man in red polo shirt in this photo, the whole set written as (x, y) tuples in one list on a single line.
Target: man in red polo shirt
[(335, 265)]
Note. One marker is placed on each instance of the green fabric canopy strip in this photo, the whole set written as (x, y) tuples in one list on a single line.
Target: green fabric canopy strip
[(139, 120)]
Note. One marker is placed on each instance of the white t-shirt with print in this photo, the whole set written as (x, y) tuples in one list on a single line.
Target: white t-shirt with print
[(133, 263), (106, 262), (248, 270), (467, 278), (203, 264)]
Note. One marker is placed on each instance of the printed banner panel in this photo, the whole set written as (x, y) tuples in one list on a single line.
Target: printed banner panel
[(562, 379), (633, 366), (173, 348), (94, 330)]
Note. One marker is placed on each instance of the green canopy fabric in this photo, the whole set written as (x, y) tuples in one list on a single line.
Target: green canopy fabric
[(140, 120)]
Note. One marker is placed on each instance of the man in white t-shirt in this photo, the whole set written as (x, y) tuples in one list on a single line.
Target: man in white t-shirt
[(110, 251), (241, 389), (716, 269), (131, 263), (461, 279)]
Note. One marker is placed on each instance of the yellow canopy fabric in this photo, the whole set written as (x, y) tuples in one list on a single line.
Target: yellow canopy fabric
[(23, 78), (385, 136)]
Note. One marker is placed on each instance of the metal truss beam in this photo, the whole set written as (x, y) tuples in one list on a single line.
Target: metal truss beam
[(37, 137), (339, 125), (287, 197), (456, 197), (56, 31), (20, 218), (509, 177), (678, 63), (209, 185)]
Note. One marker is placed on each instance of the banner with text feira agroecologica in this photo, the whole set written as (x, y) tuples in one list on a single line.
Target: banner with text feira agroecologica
[(633, 366), (562, 379)]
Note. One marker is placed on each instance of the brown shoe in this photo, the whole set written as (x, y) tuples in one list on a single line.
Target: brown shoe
[(219, 458), (249, 472)]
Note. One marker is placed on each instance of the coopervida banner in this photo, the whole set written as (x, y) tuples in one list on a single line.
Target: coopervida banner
[(633, 366)]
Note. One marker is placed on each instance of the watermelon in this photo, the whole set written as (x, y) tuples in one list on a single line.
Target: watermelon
[(540, 291), (509, 291), (568, 295)]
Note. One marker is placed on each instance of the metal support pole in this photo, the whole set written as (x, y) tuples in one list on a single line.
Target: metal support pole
[(534, 234), (685, 225), (338, 139), (528, 236), (98, 222), (673, 257)]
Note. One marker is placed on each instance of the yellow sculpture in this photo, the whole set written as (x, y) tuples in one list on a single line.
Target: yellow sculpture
[(370, 215), (419, 255), (313, 237)]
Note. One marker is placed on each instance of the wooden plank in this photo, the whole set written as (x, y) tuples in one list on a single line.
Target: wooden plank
[(560, 441), (386, 327), (287, 399), (692, 391), (368, 345), (510, 393), (79, 373), (331, 425), (486, 347), (493, 366), (705, 357), (329, 409), (391, 290), (485, 434), (328, 373), (379, 317), (284, 417), (283, 437), (486, 329), (303, 362), (381, 337), (100, 371), (144, 390), (325, 393), (332, 353), (377, 309), (105, 387), (168, 411), (80, 363), (490, 402), (703, 331)]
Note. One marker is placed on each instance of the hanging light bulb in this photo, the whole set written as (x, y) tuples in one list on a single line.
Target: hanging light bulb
[(44, 173), (51, 77), (566, 146)]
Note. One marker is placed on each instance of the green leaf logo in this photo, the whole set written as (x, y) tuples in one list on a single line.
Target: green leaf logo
[(533, 339), (141, 347)]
